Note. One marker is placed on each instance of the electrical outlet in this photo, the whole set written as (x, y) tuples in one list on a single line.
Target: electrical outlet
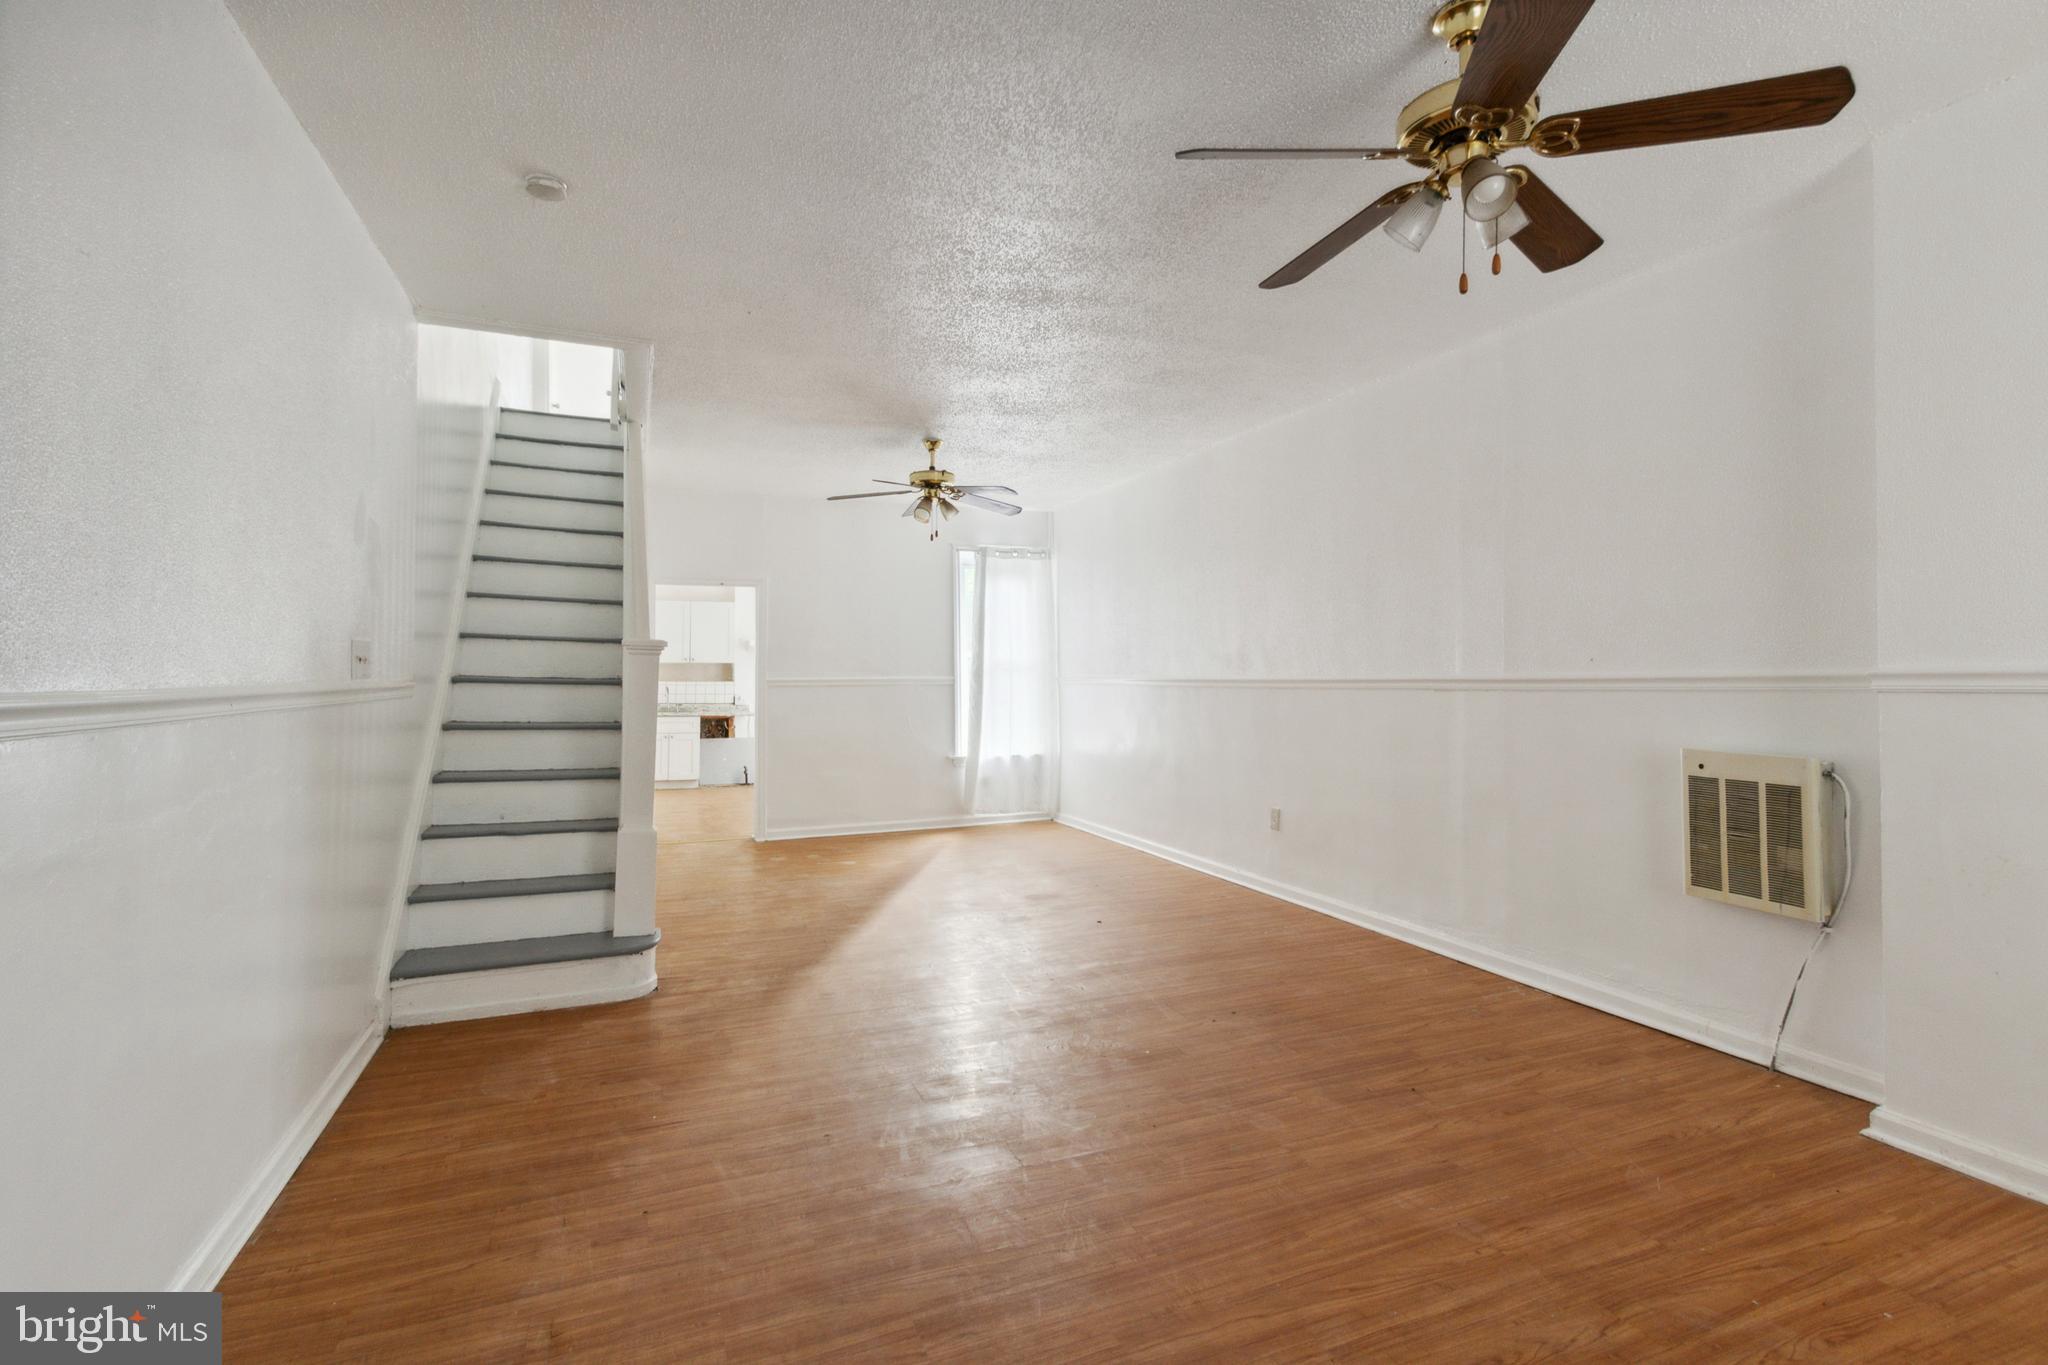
[(1273, 818), (359, 658)]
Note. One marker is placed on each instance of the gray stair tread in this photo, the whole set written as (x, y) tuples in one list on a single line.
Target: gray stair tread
[(559, 469), (496, 828), (535, 682), (518, 952), (551, 441), (535, 597), (534, 526), (551, 563), (551, 639), (552, 497), (566, 416), (429, 892), (527, 775), (530, 725)]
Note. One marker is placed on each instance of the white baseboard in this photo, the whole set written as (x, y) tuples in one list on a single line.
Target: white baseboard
[(1831, 1073), (203, 1269), (1599, 995), (2007, 1170), (521, 990), (896, 826)]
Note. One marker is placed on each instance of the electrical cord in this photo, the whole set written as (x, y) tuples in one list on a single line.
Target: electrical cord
[(1841, 898)]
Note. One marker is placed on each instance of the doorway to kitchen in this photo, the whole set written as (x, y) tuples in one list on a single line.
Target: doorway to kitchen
[(706, 741)]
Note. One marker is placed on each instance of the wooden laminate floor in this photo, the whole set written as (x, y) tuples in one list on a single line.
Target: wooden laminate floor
[(1015, 1093), (695, 814)]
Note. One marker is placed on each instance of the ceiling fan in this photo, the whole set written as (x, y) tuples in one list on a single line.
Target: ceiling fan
[(1458, 130), (936, 492)]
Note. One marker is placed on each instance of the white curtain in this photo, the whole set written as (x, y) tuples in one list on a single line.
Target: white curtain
[(1012, 722)]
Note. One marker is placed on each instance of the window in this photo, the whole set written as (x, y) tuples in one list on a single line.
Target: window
[(964, 569), (1005, 699)]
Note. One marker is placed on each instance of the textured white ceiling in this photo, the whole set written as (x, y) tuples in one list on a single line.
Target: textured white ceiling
[(843, 225)]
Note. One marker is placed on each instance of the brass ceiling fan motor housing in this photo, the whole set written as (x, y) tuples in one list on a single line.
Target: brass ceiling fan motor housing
[(1432, 131), (933, 477)]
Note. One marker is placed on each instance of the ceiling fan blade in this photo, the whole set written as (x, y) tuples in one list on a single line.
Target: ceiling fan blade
[(848, 497), (1513, 50), (982, 488), (1289, 154), (1353, 228), (1555, 237), (1008, 509), (893, 483), (1767, 106)]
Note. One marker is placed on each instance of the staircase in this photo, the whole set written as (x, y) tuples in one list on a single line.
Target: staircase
[(515, 871)]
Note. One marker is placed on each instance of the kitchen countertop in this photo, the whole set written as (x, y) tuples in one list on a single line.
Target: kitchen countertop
[(704, 708)]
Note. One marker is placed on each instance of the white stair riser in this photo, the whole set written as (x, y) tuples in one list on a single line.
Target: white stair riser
[(524, 544), (515, 701), (484, 750), (563, 455), (445, 923), (514, 855), (538, 659), (464, 803), (500, 616), (546, 580), (550, 512), (554, 426), (581, 485)]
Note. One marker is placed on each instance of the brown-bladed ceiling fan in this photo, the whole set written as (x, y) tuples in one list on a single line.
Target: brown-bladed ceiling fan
[(936, 492), (1457, 131)]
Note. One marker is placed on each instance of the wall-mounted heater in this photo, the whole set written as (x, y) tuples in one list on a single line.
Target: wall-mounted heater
[(1755, 833)]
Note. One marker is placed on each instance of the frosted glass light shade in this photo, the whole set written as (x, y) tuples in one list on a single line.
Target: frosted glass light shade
[(1489, 190), (1415, 219), (1497, 230)]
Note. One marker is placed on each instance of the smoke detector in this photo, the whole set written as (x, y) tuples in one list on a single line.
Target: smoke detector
[(551, 189)]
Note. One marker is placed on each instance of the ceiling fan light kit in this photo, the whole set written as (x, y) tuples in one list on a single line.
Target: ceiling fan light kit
[(1489, 190), (1457, 131), (1493, 231), (934, 491), (1416, 218)]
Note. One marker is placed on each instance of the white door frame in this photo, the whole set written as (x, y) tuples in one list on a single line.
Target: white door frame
[(760, 587)]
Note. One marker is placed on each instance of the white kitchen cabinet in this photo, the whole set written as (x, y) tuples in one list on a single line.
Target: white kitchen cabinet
[(710, 632), (672, 627), (694, 632), (675, 749)]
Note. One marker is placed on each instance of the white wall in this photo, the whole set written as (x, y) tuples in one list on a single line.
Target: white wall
[(209, 485), (1461, 650), (1962, 497), (856, 714)]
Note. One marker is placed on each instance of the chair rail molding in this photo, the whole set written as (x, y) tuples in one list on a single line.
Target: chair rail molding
[(28, 714), (2008, 681), (917, 680)]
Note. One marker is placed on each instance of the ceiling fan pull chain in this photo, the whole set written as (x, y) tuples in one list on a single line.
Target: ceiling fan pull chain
[(1464, 230)]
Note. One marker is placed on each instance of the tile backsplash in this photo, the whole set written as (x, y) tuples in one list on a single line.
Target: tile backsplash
[(698, 691)]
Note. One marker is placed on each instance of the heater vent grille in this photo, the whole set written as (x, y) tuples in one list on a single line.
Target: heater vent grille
[(1785, 844), (1745, 840), (1752, 831), (1703, 832)]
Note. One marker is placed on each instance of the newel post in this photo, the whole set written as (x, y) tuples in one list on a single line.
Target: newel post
[(633, 887)]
